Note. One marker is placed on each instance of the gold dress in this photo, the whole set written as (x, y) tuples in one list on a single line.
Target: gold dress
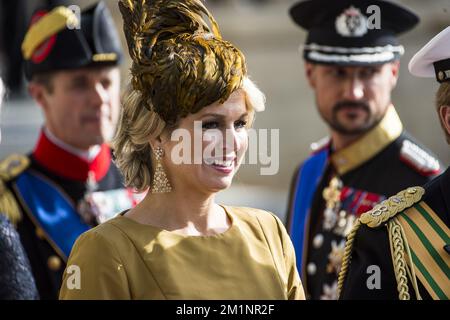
[(124, 259)]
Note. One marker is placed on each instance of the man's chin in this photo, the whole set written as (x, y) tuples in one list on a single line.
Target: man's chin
[(96, 139), (352, 130)]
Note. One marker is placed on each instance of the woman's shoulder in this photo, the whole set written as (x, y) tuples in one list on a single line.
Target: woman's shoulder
[(99, 257), (266, 225), (255, 215), (107, 234), (107, 229)]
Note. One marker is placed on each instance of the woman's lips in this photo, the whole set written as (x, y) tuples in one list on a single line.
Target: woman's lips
[(222, 166)]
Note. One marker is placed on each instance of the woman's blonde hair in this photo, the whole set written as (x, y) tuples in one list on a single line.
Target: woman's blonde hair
[(137, 125)]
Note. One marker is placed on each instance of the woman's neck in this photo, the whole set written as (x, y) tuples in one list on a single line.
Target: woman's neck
[(189, 213)]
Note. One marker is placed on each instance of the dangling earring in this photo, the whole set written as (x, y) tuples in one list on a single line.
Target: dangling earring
[(160, 182)]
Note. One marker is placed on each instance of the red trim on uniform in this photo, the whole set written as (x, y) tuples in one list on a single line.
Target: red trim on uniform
[(43, 50), (426, 173), (325, 146), (68, 165)]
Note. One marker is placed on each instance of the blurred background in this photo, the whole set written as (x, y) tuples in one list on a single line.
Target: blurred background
[(265, 33)]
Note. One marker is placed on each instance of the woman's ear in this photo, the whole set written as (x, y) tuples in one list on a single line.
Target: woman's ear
[(155, 142), (37, 92), (310, 74), (160, 140), (395, 69)]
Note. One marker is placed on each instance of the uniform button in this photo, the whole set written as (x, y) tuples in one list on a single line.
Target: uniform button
[(318, 241), (341, 161), (311, 268), (54, 263), (412, 190), (40, 233), (447, 248)]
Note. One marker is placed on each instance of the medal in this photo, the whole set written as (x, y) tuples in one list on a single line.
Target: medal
[(332, 197), (86, 206), (335, 256), (342, 223)]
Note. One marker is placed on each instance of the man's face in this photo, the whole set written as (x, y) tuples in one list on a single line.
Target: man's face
[(82, 108), (444, 114), (352, 100)]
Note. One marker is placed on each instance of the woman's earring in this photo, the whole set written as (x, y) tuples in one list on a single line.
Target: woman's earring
[(160, 182)]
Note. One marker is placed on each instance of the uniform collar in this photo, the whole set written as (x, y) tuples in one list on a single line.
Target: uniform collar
[(87, 155), (69, 164), (370, 144)]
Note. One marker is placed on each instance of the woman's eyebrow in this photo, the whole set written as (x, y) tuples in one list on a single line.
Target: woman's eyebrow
[(221, 116), (216, 115)]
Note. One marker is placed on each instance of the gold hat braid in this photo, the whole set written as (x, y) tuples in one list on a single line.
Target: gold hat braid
[(180, 64)]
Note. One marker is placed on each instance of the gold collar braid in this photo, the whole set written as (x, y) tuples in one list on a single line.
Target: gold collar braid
[(180, 64)]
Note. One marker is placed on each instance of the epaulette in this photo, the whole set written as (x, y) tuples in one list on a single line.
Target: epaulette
[(419, 159), (387, 209), (319, 145), (10, 168)]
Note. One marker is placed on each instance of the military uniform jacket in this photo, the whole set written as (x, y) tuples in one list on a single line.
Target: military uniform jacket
[(331, 189), (53, 196), (421, 247)]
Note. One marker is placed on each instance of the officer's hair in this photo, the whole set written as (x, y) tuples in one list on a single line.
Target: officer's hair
[(137, 124), (443, 99), (45, 79)]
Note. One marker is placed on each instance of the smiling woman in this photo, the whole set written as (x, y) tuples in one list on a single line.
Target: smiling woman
[(178, 243)]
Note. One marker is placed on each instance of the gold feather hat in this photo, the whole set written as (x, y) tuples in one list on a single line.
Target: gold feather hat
[(180, 64)]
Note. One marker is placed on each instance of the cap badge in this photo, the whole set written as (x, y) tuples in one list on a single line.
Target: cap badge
[(351, 23)]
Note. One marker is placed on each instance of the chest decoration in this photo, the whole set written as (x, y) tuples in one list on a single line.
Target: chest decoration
[(344, 204)]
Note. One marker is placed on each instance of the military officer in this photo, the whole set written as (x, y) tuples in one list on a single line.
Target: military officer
[(407, 237), (68, 183), (352, 63)]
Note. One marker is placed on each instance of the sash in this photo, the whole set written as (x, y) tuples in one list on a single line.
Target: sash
[(308, 179), (52, 211), (427, 235)]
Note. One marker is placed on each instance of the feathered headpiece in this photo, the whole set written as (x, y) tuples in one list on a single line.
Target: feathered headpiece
[(180, 64)]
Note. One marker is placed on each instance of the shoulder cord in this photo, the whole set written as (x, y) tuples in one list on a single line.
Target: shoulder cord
[(410, 265), (347, 255), (396, 244), (398, 239)]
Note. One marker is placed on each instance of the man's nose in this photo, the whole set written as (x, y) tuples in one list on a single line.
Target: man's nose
[(100, 95), (354, 89)]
